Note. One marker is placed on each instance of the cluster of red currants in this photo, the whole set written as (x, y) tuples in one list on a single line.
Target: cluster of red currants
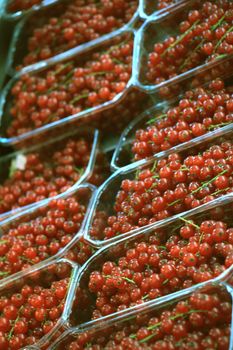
[(69, 88), (31, 311), (199, 322), (42, 234), (45, 174), (76, 22), (200, 111), (205, 35), (163, 264), (173, 185)]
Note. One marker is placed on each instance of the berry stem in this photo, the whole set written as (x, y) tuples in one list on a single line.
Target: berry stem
[(181, 37), (190, 223)]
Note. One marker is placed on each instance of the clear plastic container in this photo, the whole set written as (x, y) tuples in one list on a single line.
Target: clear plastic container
[(43, 276), (130, 321), (17, 161), (102, 115), (106, 194), (13, 16), (160, 29), (123, 154), (83, 305), (150, 8), (70, 243), (26, 26)]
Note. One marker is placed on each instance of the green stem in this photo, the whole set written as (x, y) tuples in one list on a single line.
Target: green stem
[(181, 37), (218, 125), (216, 25), (58, 71), (78, 98), (151, 121), (222, 38), (190, 223)]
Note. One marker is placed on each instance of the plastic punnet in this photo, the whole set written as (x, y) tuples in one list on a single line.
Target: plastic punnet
[(128, 97), (150, 7), (129, 321), (11, 163), (70, 241), (106, 194), (24, 28), (43, 276), (160, 29), (123, 154), (20, 14), (85, 302)]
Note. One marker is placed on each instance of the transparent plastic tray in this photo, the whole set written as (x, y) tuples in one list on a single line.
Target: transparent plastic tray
[(83, 195), (138, 317), (44, 276), (159, 29), (106, 194), (81, 308), (150, 8), (123, 154), (101, 114), (20, 14), (16, 160), (22, 32)]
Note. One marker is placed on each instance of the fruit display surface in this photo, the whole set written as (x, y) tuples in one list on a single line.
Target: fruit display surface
[(116, 175)]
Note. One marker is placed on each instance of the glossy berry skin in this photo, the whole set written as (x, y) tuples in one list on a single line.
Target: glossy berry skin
[(200, 111), (172, 185), (167, 261), (203, 35), (68, 25), (186, 324), (43, 235), (33, 309), (68, 88)]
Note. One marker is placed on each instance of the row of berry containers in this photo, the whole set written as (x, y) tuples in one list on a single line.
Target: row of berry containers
[(97, 83), (134, 240), (68, 302)]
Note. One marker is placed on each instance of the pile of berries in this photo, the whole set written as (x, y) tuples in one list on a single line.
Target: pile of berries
[(21, 5), (173, 185), (204, 35), (45, 174), (202, 321), (200, 110), (38, 236), (30, 312), (73, 24), (162, 263), (68, 88)]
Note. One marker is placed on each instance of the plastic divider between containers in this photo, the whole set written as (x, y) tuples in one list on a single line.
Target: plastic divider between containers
[(109, 252)]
